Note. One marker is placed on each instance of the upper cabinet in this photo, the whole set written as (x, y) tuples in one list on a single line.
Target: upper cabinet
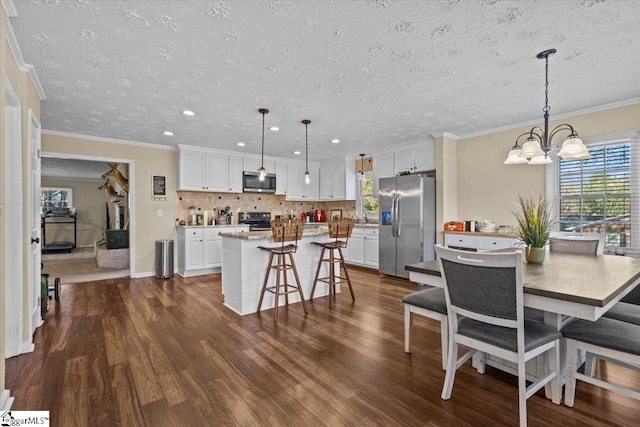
[(297, 189), (415, 160), (202, 170), (337, 180), (282, 173)]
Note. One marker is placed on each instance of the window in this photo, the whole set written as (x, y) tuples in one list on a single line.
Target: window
[(55, 197), (368, 202), (600, 194)]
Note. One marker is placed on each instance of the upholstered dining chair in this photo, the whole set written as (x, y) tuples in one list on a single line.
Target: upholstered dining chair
[(429, 303), (576, 243), (605, 338), (485, 289)]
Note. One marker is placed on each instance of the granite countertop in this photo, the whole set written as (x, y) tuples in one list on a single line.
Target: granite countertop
[(261, 235), (367, 225)]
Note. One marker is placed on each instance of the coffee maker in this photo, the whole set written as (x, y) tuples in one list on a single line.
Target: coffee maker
[(319, 216)]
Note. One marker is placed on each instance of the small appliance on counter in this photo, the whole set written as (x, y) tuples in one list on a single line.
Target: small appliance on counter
[(319, 216), (454, 226)]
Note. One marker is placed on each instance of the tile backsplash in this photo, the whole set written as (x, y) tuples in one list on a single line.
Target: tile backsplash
[(214, 202)]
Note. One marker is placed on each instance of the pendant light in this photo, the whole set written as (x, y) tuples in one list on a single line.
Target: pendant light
[(262, 170), (362, 177), (307, 178)]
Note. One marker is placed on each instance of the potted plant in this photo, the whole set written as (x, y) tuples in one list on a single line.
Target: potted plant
[(534, 224)]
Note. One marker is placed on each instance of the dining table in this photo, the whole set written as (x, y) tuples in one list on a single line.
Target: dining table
[(565, 287)]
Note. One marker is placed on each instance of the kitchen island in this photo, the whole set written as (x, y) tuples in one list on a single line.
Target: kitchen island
[(244, 266)]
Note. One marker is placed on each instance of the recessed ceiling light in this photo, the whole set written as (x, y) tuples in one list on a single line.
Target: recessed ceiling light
[(168, 133), (188, 113), (240, 144), (274, 128), (335, 141), (296, 152)]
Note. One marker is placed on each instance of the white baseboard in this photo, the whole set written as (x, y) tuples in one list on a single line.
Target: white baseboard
[(143, 274), (28, 347), (6, 400)]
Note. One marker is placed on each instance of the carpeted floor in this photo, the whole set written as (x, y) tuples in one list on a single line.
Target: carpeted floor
[(78, 266)]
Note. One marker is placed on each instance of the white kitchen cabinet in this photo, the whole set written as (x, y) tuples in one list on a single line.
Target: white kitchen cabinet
[(478, 242), (415, 160), (201, 170), (337, 181), (297, 189), (200, 249), (235, 174), (363, 247), (282, 173), (252, 164)]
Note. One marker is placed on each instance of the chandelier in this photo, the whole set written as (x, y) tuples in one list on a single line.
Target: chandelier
[(536, 148)]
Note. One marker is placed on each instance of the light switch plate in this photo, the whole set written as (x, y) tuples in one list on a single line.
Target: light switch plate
[(159, 212)]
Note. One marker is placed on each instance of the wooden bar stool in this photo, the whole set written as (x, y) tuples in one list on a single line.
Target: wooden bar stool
[(338, 229), (289, 230)]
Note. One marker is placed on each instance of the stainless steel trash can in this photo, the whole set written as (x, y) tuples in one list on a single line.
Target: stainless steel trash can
[(164, 259)]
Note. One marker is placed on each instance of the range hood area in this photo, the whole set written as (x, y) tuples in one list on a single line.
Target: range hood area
[(251, 183)]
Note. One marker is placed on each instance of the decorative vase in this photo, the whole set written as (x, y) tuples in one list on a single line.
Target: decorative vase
[(534, 255)]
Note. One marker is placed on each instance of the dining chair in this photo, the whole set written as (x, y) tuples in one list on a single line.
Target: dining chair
[(485, 289), (576, 243), (429, 303), (605, 338)]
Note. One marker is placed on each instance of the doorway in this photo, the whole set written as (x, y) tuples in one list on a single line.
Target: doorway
[(95, 210)]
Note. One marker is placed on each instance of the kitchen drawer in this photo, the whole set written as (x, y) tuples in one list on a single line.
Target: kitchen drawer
[(214, 232), (494, 243), (460, 241), (373, 232), (191, 233), (357, 231)]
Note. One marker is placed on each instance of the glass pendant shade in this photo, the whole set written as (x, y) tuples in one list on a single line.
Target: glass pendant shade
[(514, 157), (263, 172), (531, 148), (574, 149), (540, 160), (307, 178)]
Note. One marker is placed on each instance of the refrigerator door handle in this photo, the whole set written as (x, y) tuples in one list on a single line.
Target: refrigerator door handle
[(393, 216), (398, 223)]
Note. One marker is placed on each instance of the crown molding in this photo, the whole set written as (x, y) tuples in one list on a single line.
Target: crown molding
[(445, 135), (582, 112), (108, 140), (22, 65), (404, 146), (9, 8)]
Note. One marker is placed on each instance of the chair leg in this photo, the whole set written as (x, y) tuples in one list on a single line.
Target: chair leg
[(285, 279), (332, 278), (571, 365), (407, 328), (346, 274), (315, 280), (451, 369), (554, 364), (522, 393), (264, 284), (277, 290), (590, 365), (295, 273), (444, 340)]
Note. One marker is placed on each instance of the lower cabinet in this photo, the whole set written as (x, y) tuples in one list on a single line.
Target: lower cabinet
[(200, 249), (362, 249)]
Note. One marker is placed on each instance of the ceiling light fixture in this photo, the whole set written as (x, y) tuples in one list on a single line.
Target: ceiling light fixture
[(535, 150), (362, 177), (188, 113), (307, 178), (240, 144), (168, 133), (296, 152), (262, 170), (274, 128), (335, 141)]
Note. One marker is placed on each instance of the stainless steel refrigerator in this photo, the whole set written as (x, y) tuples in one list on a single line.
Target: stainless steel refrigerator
[(407, 222)]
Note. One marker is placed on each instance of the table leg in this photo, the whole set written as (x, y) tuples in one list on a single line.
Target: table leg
[(555, 320)]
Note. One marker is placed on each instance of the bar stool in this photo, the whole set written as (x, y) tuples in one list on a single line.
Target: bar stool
[(283, 231), (338, 229)]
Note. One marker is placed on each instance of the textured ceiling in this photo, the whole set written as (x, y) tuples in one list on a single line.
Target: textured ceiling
[(370, 73), (73, 169)]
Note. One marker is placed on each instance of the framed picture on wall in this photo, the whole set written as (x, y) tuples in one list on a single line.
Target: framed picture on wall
[(158, 187), (336, 213)]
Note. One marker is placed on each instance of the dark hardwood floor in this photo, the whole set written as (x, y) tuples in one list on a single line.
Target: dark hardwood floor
[(147, 352)]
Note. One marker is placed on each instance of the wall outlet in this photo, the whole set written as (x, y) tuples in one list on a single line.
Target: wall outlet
[(239, 210), (159, 212)]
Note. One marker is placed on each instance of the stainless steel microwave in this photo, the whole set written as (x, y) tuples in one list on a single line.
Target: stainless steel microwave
[(251, 183)]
